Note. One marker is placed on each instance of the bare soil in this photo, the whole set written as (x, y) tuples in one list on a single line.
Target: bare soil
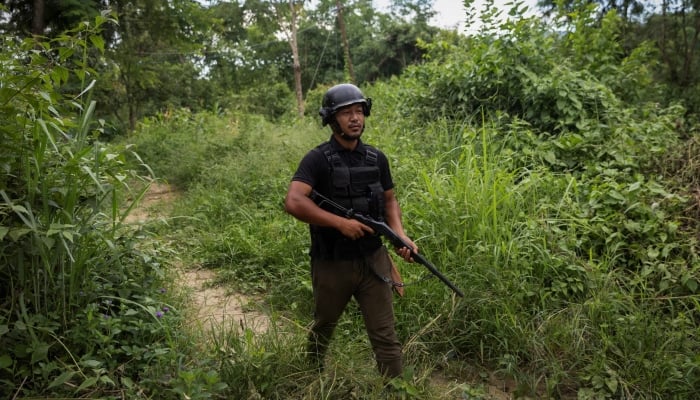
[(213, 307)]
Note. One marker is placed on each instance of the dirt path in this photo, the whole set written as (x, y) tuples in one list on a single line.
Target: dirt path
[(212, 306)]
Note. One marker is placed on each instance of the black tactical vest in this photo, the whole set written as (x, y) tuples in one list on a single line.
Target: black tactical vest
[(358, 188)]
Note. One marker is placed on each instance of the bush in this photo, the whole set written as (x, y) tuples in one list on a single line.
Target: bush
[(82, 312)]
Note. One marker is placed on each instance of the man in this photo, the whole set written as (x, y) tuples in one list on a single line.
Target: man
[(347, 258)]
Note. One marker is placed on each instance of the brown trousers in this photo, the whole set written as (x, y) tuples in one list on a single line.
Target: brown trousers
[(334, 283)]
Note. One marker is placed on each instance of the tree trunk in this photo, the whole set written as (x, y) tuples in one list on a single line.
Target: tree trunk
[(38, 22), (344, 36), (132, 117), (296, 63)]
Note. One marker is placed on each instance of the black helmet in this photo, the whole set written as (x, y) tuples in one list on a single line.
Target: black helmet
[(340, 96)]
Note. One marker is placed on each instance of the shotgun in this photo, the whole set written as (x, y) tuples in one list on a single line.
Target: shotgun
[(381, 228)]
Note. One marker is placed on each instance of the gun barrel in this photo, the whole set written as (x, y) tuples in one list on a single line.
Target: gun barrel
[(422, 260)]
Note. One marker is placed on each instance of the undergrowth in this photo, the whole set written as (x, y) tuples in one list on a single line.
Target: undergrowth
[(566, 228)]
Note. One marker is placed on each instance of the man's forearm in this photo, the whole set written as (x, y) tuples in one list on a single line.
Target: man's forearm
[(392, 213)]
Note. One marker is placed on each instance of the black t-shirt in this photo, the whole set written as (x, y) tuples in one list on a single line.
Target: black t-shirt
[(314, 170)]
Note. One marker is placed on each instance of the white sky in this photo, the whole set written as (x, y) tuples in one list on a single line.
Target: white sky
[(452, 14)]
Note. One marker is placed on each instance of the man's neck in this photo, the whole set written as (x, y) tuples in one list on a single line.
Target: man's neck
[(346, 143)]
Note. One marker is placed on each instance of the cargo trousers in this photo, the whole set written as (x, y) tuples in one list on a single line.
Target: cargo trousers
[(335, 282)]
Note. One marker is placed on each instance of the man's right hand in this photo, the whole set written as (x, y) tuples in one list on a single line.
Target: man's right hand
[(353, 229)]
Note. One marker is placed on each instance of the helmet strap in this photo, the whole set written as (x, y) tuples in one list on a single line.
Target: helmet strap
[(336, 127)]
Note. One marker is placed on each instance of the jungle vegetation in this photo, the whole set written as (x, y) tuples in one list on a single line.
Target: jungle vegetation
[(548, 165)]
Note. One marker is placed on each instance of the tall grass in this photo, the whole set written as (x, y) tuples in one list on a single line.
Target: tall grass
[(568, 291), (543, 306), (550, 300), (85, 306), (236, 225)]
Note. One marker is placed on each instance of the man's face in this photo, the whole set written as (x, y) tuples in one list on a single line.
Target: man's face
[(351, 120)]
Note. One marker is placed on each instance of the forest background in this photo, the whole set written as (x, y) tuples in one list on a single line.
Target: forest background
[(547, 165)]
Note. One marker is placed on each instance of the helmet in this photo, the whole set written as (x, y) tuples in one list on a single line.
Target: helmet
[(340, 96)]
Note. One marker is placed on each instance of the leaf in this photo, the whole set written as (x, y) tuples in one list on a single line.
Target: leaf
[(97, 41), (107, 380), (634, 186), (577, 104), (652, 252), (616, 195), (5, 361), (19, 209), (62, 379), (127, 382), (561, 104), (54, 229), (88, 383), (54, 111), (3, 232), (40, 352), (91, 363), (550, 157)]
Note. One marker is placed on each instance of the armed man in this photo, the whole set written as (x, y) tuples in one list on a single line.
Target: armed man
[(348, 258)]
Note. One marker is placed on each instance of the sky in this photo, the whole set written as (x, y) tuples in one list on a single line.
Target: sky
[(452, 14)]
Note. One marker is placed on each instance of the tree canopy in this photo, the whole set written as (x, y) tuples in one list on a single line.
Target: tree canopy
[(235, 54)]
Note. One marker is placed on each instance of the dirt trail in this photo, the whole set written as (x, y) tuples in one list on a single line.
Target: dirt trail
[(212, 307)]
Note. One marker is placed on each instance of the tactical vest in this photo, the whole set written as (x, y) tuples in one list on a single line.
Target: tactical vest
[(357, 188)]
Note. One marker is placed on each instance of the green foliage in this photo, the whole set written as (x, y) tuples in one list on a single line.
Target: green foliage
[(150, 63), (56, 179), (272, 100), (82, 314), (58, 16), (398, 48), (531, 170), (555, 83), (234, 180), (545, 259), (179, 146), (584, 231)]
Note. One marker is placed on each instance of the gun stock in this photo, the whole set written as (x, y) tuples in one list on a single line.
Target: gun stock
[(383, 229)]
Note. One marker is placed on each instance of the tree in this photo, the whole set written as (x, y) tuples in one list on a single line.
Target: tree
[(232, 54), (417, 11), (344, 36), (673, 26), (627, 9), (38, 22), (288, 24), (151, 57), (379, 45), (676, 32), (41, 17), (295, 55)]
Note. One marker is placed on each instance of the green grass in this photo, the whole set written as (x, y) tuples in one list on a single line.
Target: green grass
[(540, 309), (580, 274)]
